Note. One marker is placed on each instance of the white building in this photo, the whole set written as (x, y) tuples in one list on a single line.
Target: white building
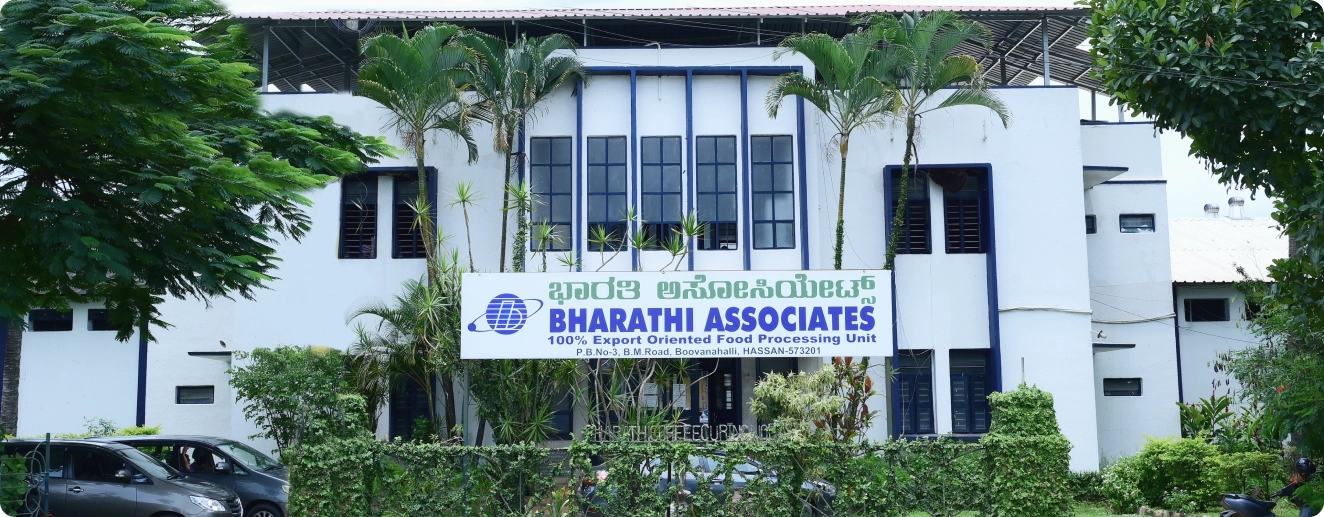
[(998, 282)]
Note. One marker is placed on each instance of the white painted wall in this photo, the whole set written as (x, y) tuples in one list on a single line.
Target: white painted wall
[(1203, 342), (1131, 281)]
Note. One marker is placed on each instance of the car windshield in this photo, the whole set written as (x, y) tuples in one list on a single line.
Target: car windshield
[(248, 456), (148, 464)]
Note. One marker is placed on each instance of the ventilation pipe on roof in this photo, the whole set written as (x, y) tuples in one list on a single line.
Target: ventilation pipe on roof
[(1236, 208), (1211, 211)]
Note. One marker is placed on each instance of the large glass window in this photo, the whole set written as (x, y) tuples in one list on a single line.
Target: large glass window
[(607, 189), (660, 190), (913, 236), (552, 185), (970, 413), (405, 225), (915, 376), (964, 197), (773, 191), (358, 217), (717, 194)]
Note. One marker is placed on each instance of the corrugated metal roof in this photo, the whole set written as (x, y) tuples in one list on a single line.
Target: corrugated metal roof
[(668, 12), (1210, 249)]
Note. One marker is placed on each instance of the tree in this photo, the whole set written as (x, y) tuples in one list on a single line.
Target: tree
[(851, 91), (917, 56), (416, 337), (1245, 82), (420, 80), (519, 396), (297, 395), (136, 163), (513, 79)]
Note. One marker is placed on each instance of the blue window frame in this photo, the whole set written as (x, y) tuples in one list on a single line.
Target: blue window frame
[(608, 187), (660, 197), (773, 191), (914, 236), (552, 185), (965, 198), (970, 412), (717, 192), (407, 233), (98, 320), (358, 217), (50, 320), (915, 377)]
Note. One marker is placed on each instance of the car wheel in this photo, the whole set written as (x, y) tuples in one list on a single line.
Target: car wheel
[(262, 510)]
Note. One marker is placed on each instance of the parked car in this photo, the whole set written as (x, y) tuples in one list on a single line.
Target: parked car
[(261, 482), (818, 494), (91, 478)]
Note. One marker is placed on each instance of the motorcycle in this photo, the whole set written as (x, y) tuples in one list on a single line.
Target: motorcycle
[(1241, 505)]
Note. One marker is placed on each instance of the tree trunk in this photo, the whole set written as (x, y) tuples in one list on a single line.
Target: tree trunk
[(427, 226), (505, 201), (519, 260), (841, 206), (899, 217), (9, 398), (482, 428), (448, 389)]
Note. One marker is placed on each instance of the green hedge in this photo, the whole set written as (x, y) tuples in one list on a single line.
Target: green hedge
[(1187, 475), (1028, 459)]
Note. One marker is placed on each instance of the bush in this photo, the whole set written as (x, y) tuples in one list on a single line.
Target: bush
[(296, 394), (1028, 459), (1187, 475), (1086, 487), (1171, 468)]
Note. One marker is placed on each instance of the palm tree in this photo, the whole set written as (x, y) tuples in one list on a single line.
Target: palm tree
[(416, 337), (512, 79), (917, 54), (420, 79), (851, 91)]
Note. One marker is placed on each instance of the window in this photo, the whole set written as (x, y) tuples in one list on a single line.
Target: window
[(913, 236), (607, 183), (552, 185), (773, 191), (1090, 225), (716, 185), (970, 413), (964, 196), (1137, 223), (915, 376), (195, 394), (408, 410), (99, 466), (1206, 309), (99, 320), (358, 217), (660, 190), (405, 225), (1121, 387), (563, 417), (1251, 311), (50, 320)]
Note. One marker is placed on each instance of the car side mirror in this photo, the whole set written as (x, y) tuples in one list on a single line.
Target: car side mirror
[(122, 475), (223, 467)]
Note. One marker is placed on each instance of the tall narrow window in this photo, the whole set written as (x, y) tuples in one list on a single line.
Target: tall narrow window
[(405, 225), (563, 416), (715, 162), (552, 185), (970, 412), (773, 191), (913, 236), (660, 190), (964, 197), (915, 376), (1090, 224), (358, 217), (607, 187)]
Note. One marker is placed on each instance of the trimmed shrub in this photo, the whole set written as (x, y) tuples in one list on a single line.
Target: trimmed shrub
[(1187, 475), (1121, 486), (1086, 487), (1028, 459)]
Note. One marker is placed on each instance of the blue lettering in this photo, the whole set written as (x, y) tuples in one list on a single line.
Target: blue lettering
[(835, 312), (674, 321), (850, 318), (866, 318), (578, 320), (788, 314), (816, 320), (714, 320), (747, 314), (768, 319), (654, 314), (598, 323), (637, 321), (617, 320), (557, 320), (732, 319)]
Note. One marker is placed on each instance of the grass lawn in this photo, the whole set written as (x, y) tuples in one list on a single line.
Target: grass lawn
[(1283, 509)]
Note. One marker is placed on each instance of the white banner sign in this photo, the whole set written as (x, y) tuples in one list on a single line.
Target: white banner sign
[(684, 314)]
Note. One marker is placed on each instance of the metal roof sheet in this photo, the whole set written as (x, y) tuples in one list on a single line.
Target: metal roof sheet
[(1209, 250), (664, 12)]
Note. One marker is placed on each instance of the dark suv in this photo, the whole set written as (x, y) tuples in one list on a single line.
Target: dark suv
[(261, 482), (101, 479)]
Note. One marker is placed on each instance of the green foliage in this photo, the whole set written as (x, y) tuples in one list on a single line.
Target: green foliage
[(103, 427), (296, 395), (830, 403), (519, 396), (1244, 80), (1028, 458), (1086, 487), (115, 117), (1214, 421), (1187, 475)]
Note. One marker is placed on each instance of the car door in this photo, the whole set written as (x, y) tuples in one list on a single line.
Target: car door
[(93, 488), (36, 461), (202, 461)]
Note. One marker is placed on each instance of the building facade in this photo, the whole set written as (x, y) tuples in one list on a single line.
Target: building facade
[(1036, 253)]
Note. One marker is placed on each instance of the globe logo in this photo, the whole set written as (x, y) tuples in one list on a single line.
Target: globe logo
[(505, 314)]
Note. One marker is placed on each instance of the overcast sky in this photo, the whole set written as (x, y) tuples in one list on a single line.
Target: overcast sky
[(1190, 186)]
